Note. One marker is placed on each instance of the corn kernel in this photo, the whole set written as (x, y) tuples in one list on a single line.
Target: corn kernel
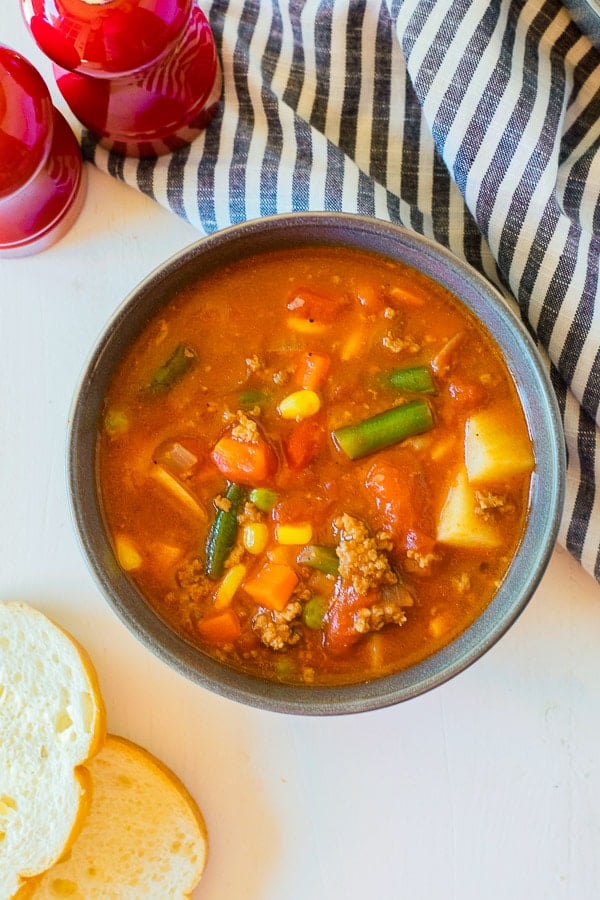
[(300, 533), (299, 405), (128, 556), (306, 326), (229, 585), (255, 537)]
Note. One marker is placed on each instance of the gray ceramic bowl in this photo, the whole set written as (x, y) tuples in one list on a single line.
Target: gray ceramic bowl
[(536, 394)]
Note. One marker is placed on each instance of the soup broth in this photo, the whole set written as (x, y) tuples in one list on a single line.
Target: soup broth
[(315, 466)]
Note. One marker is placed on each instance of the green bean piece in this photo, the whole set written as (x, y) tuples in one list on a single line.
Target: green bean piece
[(173, 370), (263, 498), (325, 559), (313, 613), (384, 429), (412, 378), (223, 532)]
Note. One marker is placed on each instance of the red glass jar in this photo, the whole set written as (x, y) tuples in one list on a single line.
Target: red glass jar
[(42, 182), (141, 75)]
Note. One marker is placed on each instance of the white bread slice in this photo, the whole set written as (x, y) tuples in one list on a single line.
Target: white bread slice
[(144, 836), (52, 721)]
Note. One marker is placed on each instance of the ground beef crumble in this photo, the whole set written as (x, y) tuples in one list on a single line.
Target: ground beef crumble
[(246, 429), (276, 629), (363, 558), (373, 618)]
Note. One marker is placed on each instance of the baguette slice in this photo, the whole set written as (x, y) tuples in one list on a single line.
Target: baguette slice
[(52, 721), (144, 835)]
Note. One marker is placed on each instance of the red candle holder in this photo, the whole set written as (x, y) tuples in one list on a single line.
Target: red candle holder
[(141, 75), (42, 182)]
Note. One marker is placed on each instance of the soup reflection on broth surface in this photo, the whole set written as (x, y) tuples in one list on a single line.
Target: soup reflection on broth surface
[(315, 466)]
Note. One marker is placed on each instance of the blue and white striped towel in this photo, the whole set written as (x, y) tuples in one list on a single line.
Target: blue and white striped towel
[(476, 124)]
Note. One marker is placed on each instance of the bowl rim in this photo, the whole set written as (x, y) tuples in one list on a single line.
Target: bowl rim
[(541, 409)]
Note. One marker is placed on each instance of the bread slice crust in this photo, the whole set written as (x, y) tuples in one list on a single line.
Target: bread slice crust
[(52, 722), (144, 835)]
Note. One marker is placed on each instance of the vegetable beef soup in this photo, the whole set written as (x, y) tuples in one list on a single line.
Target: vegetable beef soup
[(315, 466)]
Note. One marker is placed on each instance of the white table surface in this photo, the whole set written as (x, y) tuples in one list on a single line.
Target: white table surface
[(487, 787)]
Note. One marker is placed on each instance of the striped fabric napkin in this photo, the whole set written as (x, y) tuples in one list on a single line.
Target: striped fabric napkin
[(476, 124)]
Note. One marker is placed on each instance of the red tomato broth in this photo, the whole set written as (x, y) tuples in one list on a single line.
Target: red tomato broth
[(247, 341)]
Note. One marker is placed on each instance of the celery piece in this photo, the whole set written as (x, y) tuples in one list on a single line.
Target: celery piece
[(412, 378), (263, 498), (384, 429), (173, 370), (324, 559), (223, 532)]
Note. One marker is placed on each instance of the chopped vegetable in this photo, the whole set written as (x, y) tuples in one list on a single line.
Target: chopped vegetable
[(399, 494), (115, 422), (272, 586), (222, 627), (459, 525), (127, 554), (299, 405), (442, 362), (263, 498), (223, 531), (179, 457), (307, 326), (300, 533), (312, 370), (407, 295), (176, 489), (325, 559), (354, 344), (492, 451), (173, 370), (250, 399), (313, 613), (412, 378), (246, 462), (340, 633), (228, 587), (383, 430), (255, 537), (303, 443)]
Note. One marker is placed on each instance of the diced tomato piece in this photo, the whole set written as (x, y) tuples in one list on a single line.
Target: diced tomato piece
[(323, 307), (340, 633), (303, 443), (467, 393), (245, 462), (399, 497)]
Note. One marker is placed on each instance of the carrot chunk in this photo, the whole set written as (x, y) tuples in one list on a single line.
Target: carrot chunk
[(272, 586), (244, 462), (221, 628), (312, 370)]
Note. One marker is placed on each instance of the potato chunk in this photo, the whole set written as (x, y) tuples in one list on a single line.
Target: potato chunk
[(494, 452), (459, 524)]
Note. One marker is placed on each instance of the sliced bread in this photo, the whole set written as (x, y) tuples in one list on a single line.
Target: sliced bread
[(144, 835), (52, 721)]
